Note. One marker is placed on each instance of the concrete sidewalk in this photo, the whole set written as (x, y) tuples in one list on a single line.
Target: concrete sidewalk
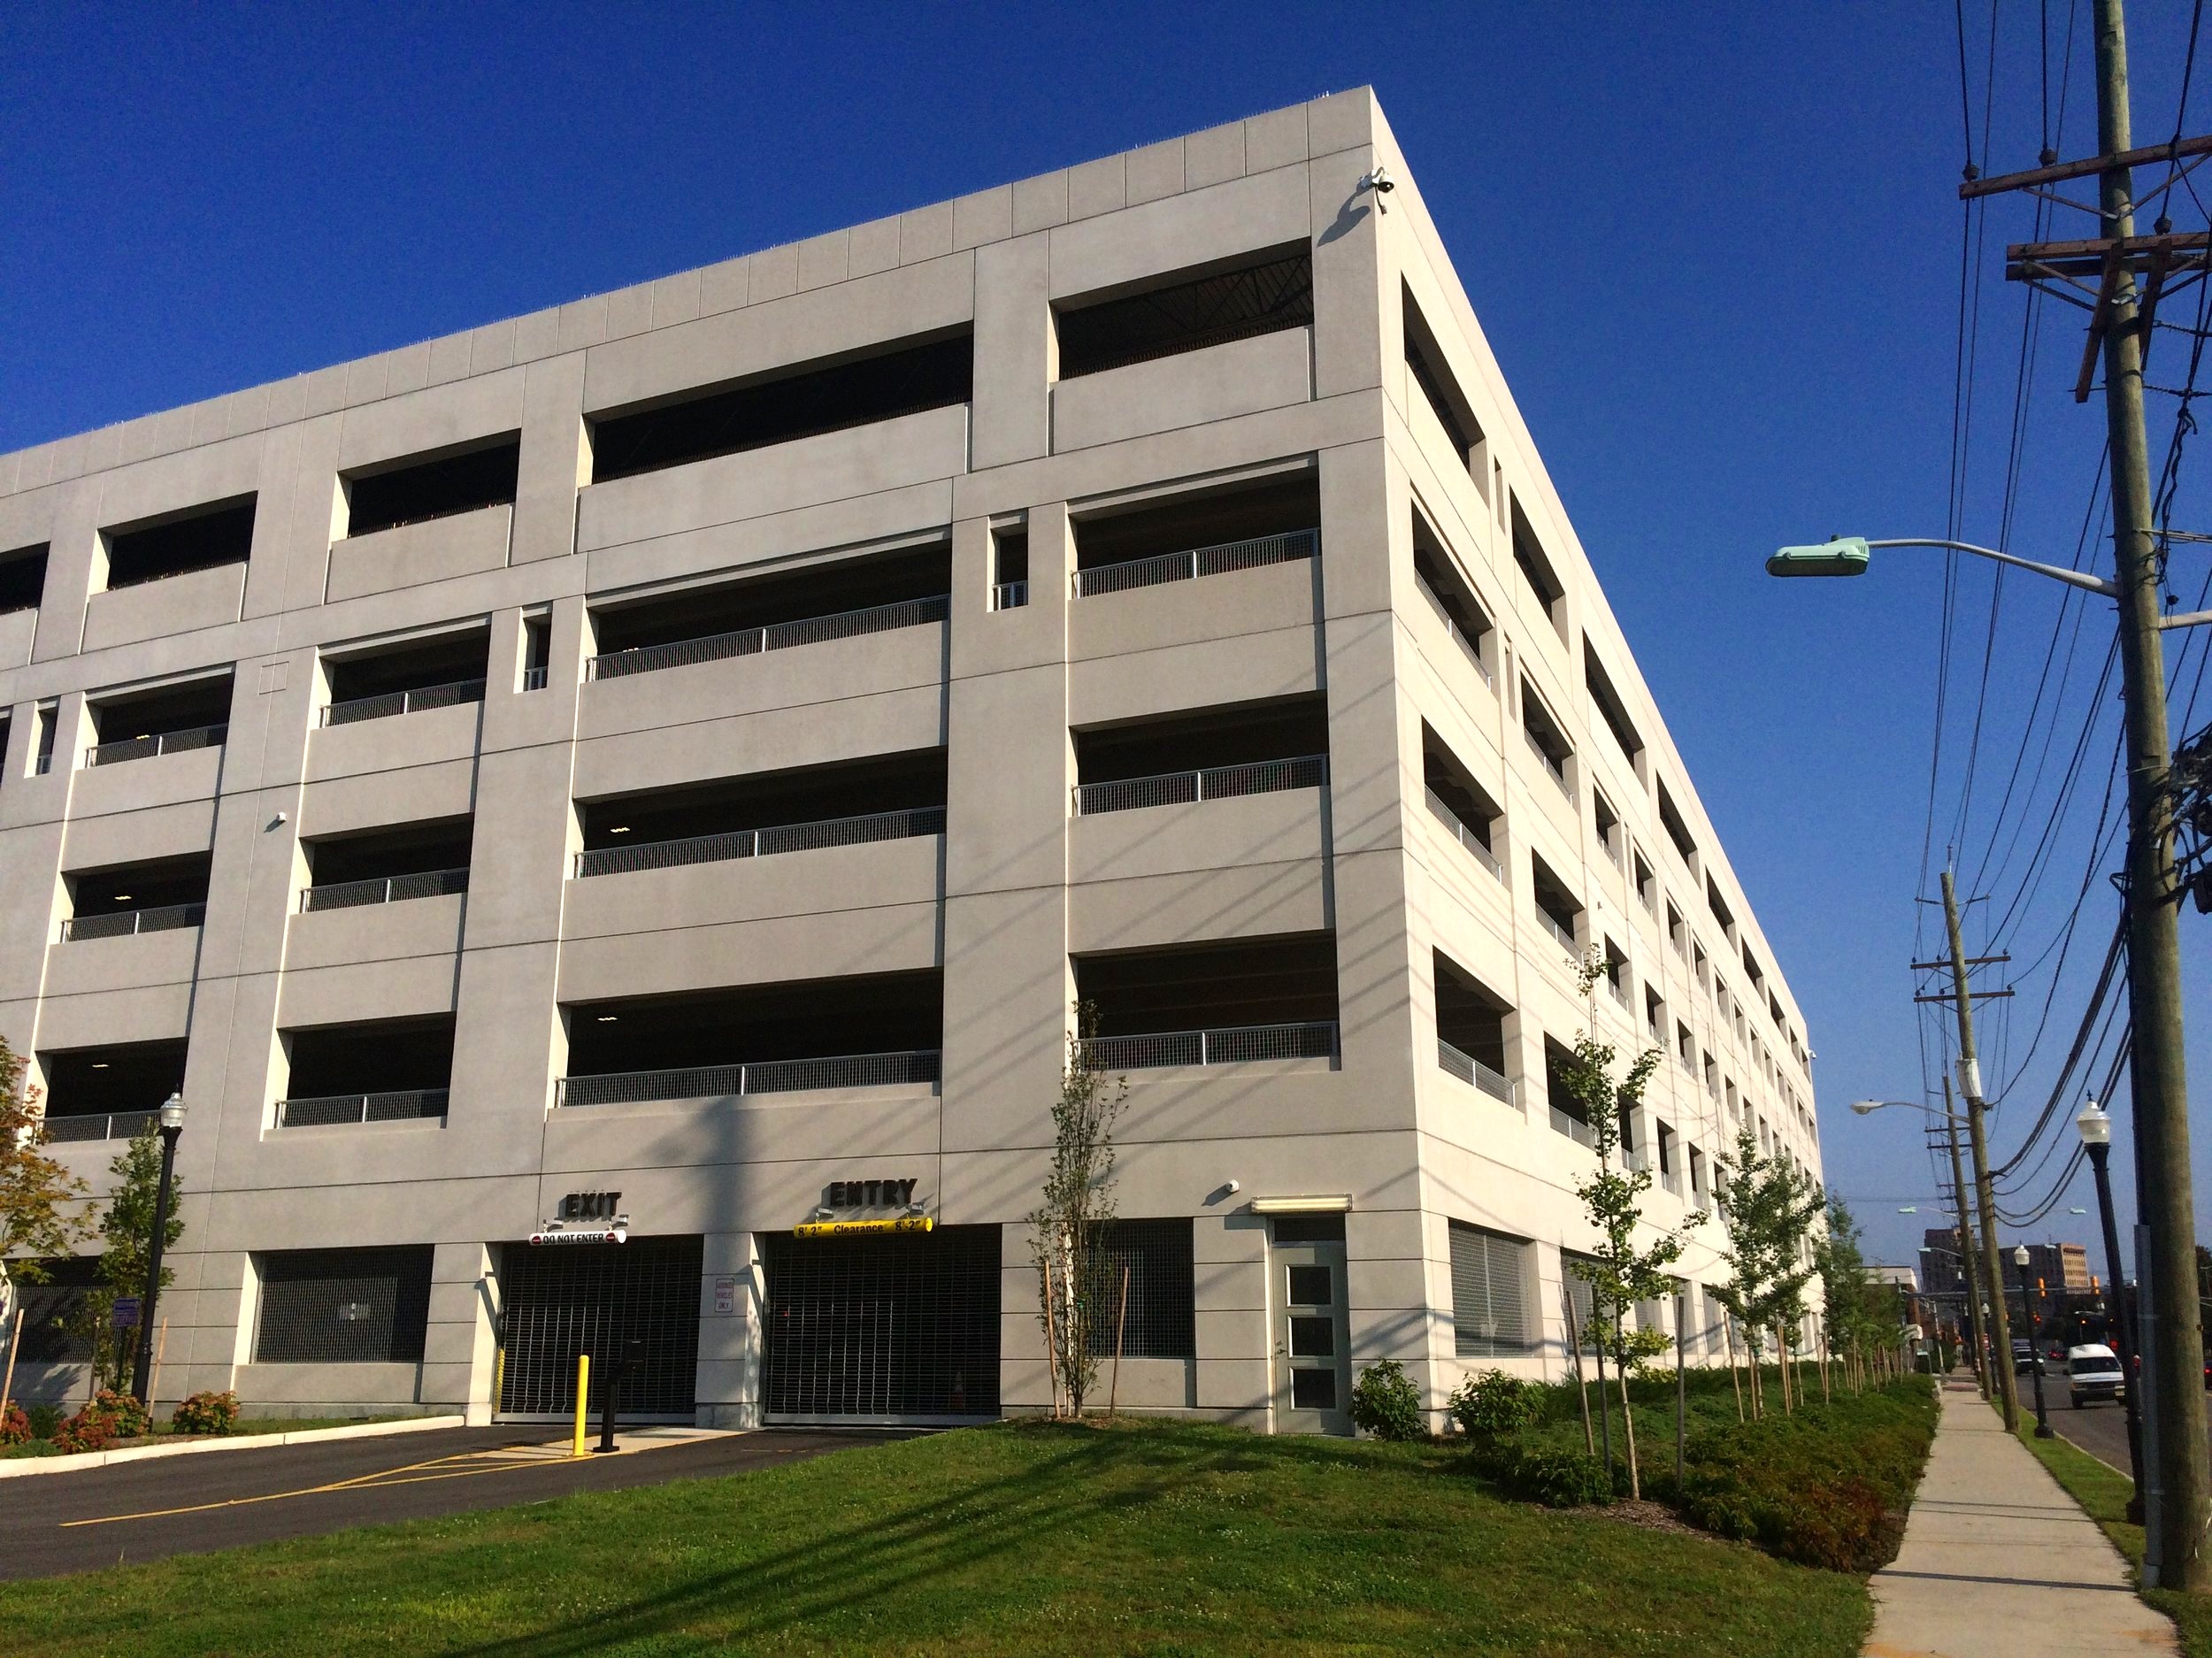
[(2000, 1562)]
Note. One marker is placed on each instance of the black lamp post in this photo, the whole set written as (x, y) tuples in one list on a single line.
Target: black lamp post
[(171, 1118), (2095, 1128), (2035, 1344)]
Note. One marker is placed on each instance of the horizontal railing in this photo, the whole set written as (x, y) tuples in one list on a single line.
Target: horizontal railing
[(1672, 1179), (1620, 990), (1573, 1127), (1463, 834), (1612, 851), (535, 679), (1220, 782), (399, 1106), (813, 630), (122, 924), (392, 889), (1228, 1045), (1563, 934), (774, 1075), (1451, 625), (761, 843), (113, 1125), (386, 704), (146, 747), (1468, 1069), (1009, 595), (1218, 560)]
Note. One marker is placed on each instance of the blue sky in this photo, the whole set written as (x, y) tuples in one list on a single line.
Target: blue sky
[(1717, 250)]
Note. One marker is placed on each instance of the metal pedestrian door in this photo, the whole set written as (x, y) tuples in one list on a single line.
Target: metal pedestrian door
[(1313, 1367), (555, 1303), (881, 1327)]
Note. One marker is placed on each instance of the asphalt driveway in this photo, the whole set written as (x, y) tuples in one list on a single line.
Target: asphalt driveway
[(96, 1517)]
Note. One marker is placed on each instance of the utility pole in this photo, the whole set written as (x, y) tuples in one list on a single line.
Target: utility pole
[(1968, 1269), (2164, 1195), (1985, 1191), (2100, 276)]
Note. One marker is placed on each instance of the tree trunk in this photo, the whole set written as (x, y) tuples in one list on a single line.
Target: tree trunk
[(1735, 1377), (1628, 1423)]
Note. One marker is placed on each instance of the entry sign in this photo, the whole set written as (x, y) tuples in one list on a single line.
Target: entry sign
[(725, 1294), (124, 1314)]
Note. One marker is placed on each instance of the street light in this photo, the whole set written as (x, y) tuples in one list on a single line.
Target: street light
[(2175, 1555), (2035, 1345), (171, 1117), (2095, 1128)]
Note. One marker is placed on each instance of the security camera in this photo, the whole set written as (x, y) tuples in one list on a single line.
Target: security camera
[(1379, 179)]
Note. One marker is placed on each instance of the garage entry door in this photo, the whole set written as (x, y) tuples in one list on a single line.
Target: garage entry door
[(882, 1327), (596, 1298)]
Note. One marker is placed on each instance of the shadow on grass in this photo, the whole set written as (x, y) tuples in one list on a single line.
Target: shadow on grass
[(888, 1552)]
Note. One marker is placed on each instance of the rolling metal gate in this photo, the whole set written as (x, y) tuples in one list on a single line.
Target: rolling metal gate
[(883, 1326), (559, 1302)]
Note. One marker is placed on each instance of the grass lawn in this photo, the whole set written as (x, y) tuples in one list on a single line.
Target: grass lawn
[(2103, 1493), (1024, 1539)]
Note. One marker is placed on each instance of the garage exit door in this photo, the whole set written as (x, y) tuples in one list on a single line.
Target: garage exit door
[(883, 1326), (596, 1298)]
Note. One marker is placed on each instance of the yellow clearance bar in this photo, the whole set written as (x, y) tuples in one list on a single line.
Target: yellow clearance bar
[(842, 1228)]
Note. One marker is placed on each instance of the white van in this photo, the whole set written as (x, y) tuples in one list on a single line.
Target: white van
[(2093, 1373)]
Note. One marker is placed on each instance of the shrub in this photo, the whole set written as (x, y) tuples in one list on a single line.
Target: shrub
[(1556, 1477), (1386, 1404), (1493, 1405), (45, 1420), (15, 1426), (109, 1417), (1827, 1486), (207, 1412)]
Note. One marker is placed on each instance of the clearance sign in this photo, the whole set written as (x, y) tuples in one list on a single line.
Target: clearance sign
[(848, 1228)]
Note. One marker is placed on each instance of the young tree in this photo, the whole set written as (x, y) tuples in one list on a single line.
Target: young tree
[(38, 1217), (1619, 1272), (1067, 1228), (126, 1232), (1847, 1301), (1768, 1209)]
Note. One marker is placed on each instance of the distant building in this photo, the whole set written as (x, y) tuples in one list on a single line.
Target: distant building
[(2060, 1268)]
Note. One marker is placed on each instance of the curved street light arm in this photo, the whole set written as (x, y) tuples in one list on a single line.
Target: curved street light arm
[(2080, 579)]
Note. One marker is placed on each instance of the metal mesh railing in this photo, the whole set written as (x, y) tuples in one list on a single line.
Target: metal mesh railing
[(123, 923), (1573, 1127), (1464, 835), (761, 843), (1218, 560), (814, 630), (774, 1075), (1553, 763), (1469, 1070), (391, 889), (535, 679), (1009, 595), (1229, 1046), (113, 1125), (146, 747), (387, 703), (399, 1106), (1220, 782), (1451, 625)]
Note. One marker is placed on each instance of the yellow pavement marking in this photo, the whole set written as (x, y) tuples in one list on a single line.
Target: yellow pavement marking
[(497, 1460)]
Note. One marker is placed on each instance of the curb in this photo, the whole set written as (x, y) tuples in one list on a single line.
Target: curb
[(15, 1466)]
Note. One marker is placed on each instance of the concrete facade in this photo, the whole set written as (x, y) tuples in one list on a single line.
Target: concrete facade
[(999, 904)]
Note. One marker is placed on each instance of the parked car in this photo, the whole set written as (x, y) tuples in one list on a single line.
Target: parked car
[(2022, 1356), (2094, 1374)]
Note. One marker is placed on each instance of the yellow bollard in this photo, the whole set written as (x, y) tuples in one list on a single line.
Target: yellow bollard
[(583, 1392)]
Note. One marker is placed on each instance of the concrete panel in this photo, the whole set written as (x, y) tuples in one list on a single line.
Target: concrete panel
[(131, 837), (369, 800), (400, 742), (79, 967), (402, 989), (152, 1013), (1248, 831), (552, 462), (413, 554), (152, 609), (1182, 908), (892, 939), (1196, 675), (1269, 209), (419, 420), (134, 786), (375, 932), (909, 449), (1208, 609), (886, 684), (1013, 349), (337, 1388), (18, 629), (1192, 388), (827, 880)]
